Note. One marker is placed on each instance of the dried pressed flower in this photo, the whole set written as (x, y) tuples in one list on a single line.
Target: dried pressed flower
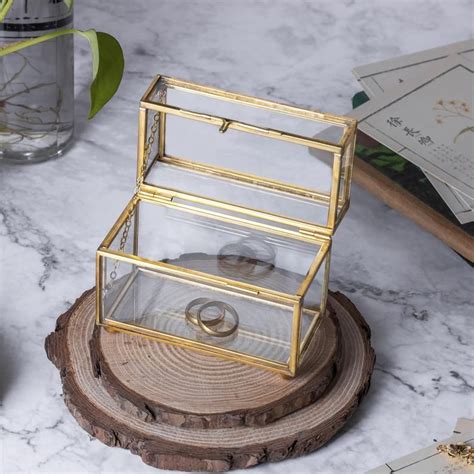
[(461, 451)]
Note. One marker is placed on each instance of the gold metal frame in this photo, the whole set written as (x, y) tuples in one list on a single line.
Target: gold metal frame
[(337, 202)]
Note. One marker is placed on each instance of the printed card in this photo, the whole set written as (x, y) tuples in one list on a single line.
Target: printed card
[(461, 205), (380, 77), (377, 78), (429, 460), (430, 122)]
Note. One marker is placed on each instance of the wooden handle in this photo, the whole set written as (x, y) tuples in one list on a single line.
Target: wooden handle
[(404, 202)]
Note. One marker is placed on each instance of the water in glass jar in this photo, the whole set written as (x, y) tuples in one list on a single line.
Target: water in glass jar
[(36, 83)]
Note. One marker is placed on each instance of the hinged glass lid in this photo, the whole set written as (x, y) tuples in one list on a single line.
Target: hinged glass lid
[(246, 155)]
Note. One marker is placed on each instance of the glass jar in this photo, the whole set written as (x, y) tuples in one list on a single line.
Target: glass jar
[(36, 83)]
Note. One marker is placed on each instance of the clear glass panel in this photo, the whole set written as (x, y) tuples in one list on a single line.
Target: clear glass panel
[(297, 207), (312, 302), (331, 134), (264, 219), (247, 153), (159, 302), (220, 248), (243, 153), (116, 277), (344, 181), (152, 145)]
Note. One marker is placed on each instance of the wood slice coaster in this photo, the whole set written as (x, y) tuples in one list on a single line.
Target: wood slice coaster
[(168, 384), (172, 447)]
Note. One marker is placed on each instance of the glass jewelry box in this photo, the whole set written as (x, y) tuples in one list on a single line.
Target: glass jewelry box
[(225, 244)]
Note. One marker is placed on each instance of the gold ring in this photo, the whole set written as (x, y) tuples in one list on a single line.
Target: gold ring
[(263, 250), (249, 257), (208, 322), (204, 324), (234, 258)]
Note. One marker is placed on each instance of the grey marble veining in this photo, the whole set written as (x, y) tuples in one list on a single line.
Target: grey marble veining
[(416, 294)]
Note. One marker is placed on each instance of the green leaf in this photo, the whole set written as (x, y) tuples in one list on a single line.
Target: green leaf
[(384, 162), (107, 62), (69, 3), (359, 99), (382, 157), (5, 6), (109, 71)]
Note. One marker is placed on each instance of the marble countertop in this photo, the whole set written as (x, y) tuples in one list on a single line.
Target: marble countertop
[(416, 294)]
